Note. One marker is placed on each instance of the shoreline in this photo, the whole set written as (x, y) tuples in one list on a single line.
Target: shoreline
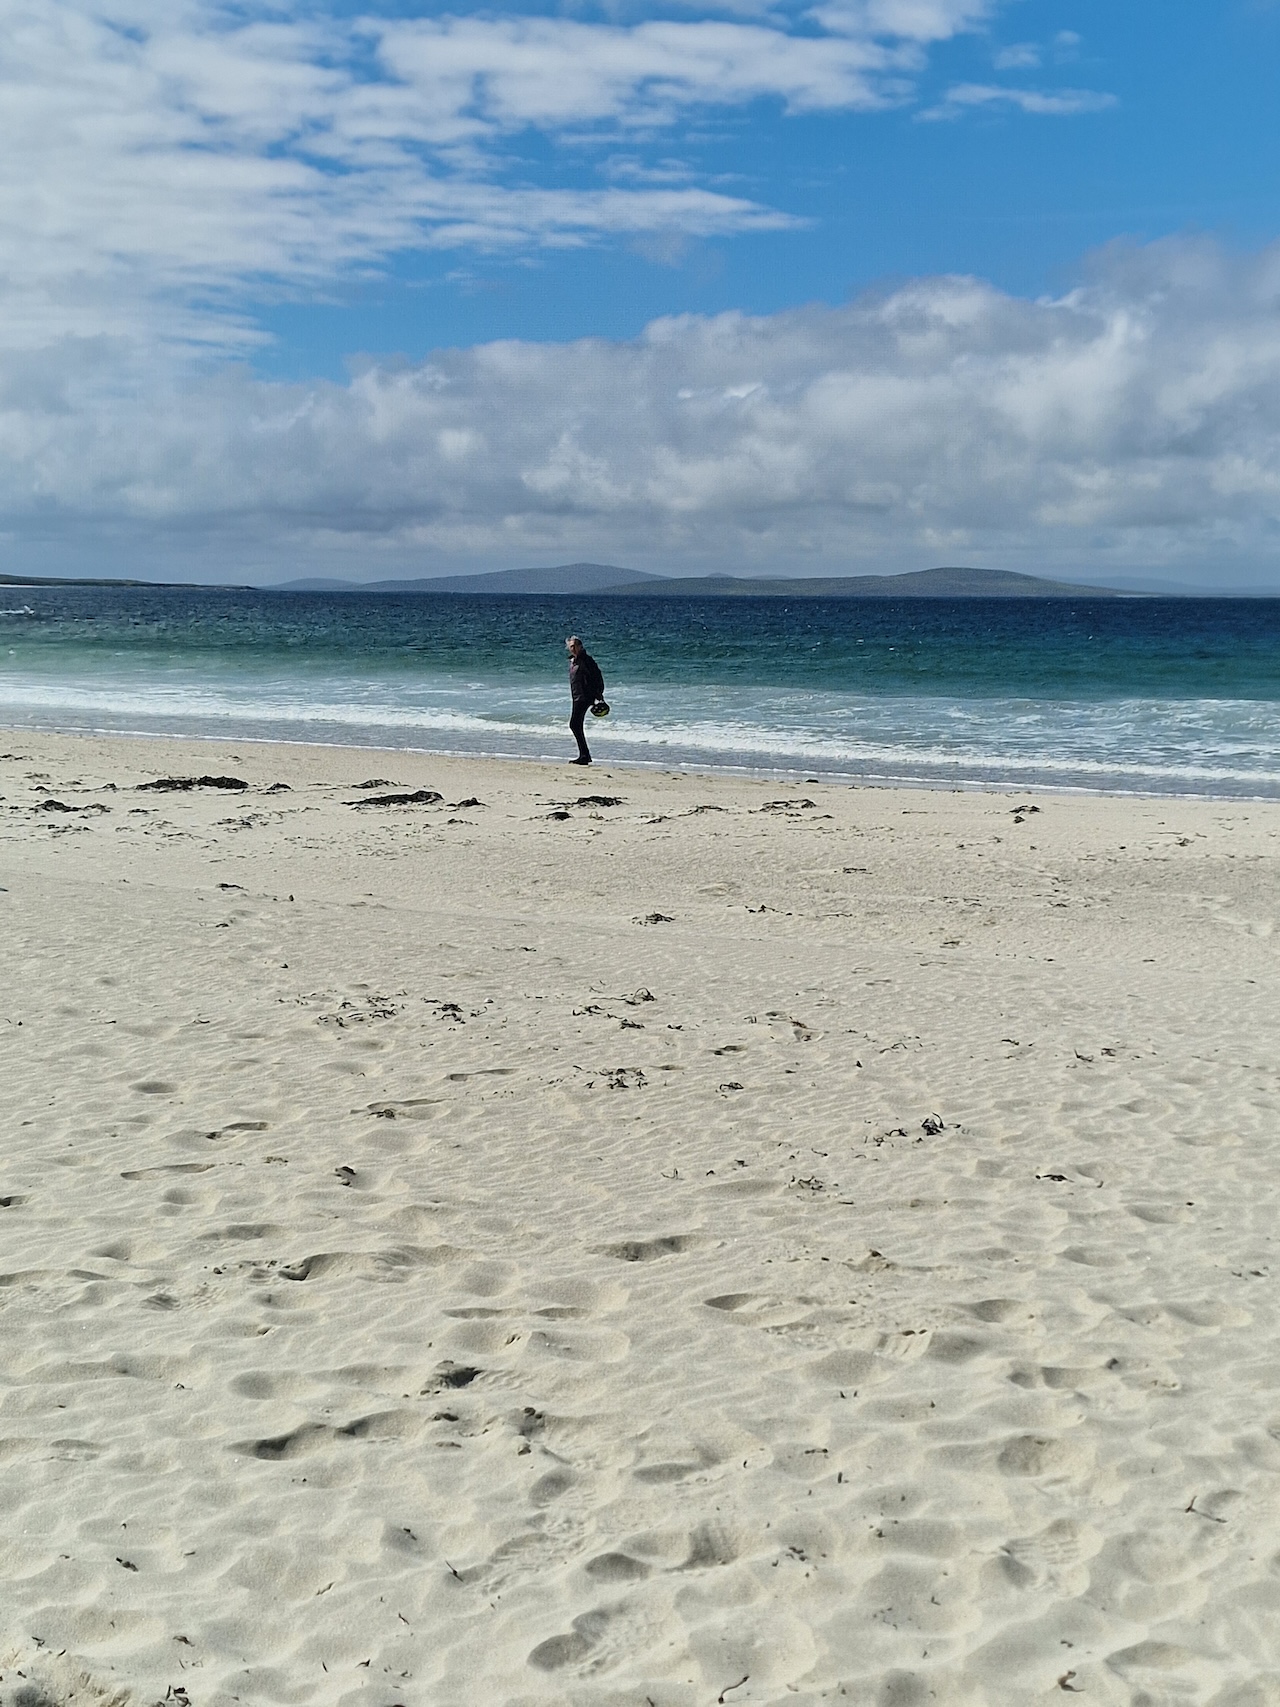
[(600, 1236), (779, 774)]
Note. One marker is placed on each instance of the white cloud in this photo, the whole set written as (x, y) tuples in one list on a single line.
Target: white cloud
[(1136, 420), (1021, 56), (473, 76), (1053, 103), (908, 20), (624, 169), (164, 163)]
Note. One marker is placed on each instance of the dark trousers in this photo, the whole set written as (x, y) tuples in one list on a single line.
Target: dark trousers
[(580, 710)]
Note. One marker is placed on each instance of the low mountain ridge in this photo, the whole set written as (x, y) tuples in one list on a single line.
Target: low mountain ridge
[(942, 583), (566, 579), (604, 580)]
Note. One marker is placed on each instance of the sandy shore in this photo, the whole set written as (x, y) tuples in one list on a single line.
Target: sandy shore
[(715, 1242)]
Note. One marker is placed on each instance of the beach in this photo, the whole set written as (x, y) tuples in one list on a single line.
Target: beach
[(628, 1237)]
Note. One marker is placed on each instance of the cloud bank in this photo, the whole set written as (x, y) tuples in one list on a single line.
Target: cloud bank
[(1132, 422), (169, 166)]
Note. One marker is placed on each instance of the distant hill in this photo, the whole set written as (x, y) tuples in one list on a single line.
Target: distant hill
[(567, 578), (920, 584), (73, 581), (581, 580), (604, 579)]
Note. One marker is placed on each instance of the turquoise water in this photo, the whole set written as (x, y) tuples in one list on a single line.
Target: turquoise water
[(1155, 696)]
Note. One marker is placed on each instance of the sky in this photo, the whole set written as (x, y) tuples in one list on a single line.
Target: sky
[(805, 287)]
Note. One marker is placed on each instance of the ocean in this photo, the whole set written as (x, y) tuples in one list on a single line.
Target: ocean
[(1150, 696)]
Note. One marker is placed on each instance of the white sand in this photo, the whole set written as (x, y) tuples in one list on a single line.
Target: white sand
[(651, 1351)]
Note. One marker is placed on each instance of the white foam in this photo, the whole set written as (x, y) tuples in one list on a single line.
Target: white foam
[(1204, 746)]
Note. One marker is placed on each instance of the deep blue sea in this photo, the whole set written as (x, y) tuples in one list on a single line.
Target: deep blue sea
[(1124, 695)]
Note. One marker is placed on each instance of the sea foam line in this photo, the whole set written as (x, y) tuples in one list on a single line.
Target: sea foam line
[(1203, 745)]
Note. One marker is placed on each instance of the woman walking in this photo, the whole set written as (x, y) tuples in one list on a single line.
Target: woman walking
[(586, 688)]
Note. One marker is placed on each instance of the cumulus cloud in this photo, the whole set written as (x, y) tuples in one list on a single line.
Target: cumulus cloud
[(1134, 420)]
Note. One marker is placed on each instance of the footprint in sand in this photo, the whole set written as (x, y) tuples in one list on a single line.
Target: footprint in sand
[(1161, 1214), (268, 1384), (395, 1265), (731, 1302), (529, 1556), (551, 1486), (599, 1639), (1055, 1556), (314, 1437), (664, 1473), (710, 1545), (616, 1568), (957, 1348), (560, 1651), (1000, 1309), (649, 1250), (743, 1185), (777, 1316)]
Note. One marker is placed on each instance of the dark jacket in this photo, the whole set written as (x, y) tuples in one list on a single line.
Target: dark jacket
[(586, 684)]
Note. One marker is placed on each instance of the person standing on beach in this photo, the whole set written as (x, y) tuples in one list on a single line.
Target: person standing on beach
[(586, 686)]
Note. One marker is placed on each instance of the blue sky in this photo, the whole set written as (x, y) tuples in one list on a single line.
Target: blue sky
[(767, 286), (1185, 142)]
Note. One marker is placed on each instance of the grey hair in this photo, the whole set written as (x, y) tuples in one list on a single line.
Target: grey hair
[(573, 641)]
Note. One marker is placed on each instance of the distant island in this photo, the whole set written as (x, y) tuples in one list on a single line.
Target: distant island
[(919, 584), (608, 581), (567, 578), (76, 581)]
